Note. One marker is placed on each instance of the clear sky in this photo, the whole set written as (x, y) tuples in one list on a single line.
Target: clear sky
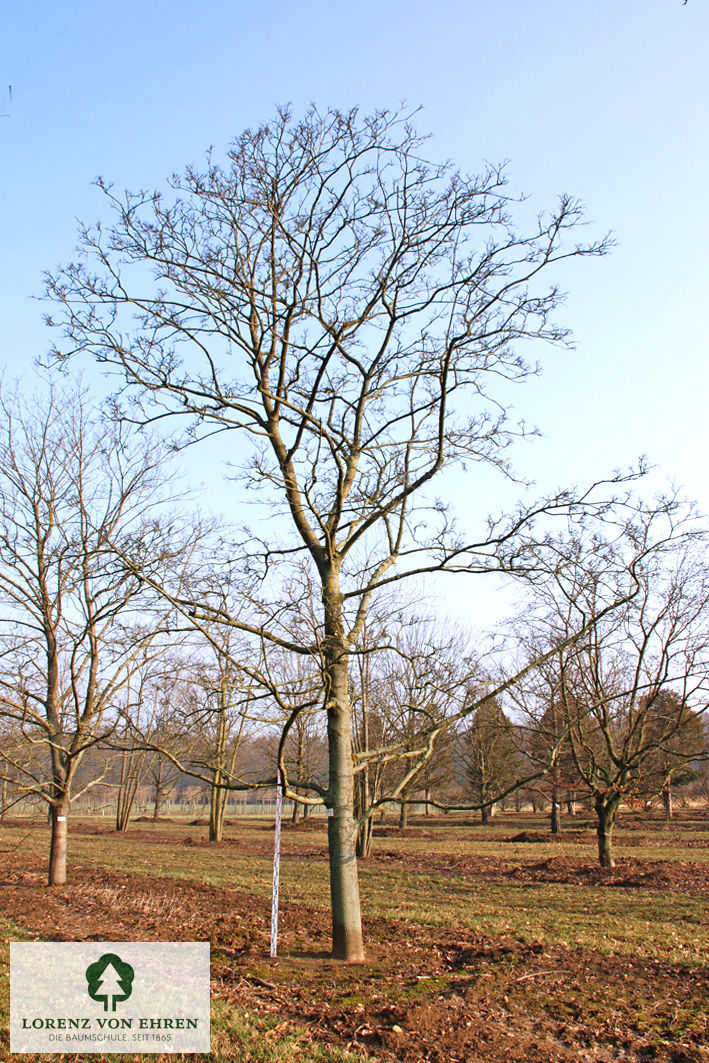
[(605, 100)]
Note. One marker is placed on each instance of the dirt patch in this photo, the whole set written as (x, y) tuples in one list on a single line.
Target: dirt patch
[(648, 874), (425, 995), (314, 825), (205, 843)]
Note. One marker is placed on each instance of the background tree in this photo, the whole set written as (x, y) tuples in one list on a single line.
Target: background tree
[(73, 623), (542, 737), (347, 305), (490, 756), (681, 743), (630, 688)]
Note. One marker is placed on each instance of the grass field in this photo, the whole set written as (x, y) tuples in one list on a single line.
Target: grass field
[(481, 945)]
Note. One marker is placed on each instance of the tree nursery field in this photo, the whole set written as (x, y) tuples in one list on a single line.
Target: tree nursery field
[(484, 943)]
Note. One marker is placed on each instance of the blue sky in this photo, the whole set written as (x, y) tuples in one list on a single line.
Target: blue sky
[(606, 101)]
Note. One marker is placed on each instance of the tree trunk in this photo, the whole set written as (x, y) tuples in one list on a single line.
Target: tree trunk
[(4, 801), (344, 884), (667, 799), (57, 847), (131, 774), (158, 791), (363, 843), (403, 815), (555, 817), (485, 814), (217, 810), (363, 847), (217, 793), (605, 811)]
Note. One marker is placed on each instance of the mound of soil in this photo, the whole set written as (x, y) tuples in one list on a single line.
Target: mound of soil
[(530, 836), (303, 826), (381, 831), (205, 843), (538, 836)]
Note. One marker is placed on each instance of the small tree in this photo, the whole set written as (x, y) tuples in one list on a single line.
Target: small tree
[(629, 689), (73, 623)]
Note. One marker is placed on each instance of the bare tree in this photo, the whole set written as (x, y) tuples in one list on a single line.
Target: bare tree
[(629, 690), (680, 744), (72, 630), (145, 714), (347, 305)]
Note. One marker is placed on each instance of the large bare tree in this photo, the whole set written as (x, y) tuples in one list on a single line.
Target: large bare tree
[(352, 309)]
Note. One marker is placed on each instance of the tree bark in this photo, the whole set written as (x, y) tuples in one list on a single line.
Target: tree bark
[(217, 810), (667, 800), (218, 793), (344, 885), (57, 847), (555, 816), (131, 774), (158, 791), (403, 814), (605, 811), (363, 843)]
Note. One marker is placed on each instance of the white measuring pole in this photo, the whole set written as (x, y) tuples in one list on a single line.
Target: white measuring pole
[(276, 867)]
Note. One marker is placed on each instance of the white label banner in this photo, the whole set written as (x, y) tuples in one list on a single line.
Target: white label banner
[(109, 996)]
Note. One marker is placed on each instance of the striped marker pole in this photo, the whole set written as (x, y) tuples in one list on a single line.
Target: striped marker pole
[(276, 867)]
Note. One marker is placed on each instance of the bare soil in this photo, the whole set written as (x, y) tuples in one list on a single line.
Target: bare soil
[(425, 994)]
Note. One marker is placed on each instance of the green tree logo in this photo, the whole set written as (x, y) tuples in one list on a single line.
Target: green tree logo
[(110, 979)]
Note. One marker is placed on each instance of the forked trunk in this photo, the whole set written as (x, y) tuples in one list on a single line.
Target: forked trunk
[(131, 773), (57, 847)]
